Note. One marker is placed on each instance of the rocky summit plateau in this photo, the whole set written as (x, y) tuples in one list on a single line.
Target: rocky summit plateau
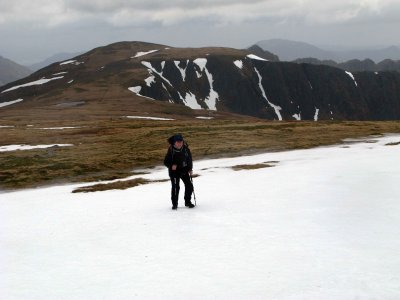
[(143, 78)]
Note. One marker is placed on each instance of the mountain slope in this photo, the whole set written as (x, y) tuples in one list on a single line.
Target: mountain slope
[(139, 77), (11, 71)]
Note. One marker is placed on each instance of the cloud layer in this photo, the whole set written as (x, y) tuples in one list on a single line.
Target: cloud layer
[(166, 13), (45, 27)]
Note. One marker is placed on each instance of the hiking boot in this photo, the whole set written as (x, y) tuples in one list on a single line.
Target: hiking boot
[(189, 204), (174, 207)]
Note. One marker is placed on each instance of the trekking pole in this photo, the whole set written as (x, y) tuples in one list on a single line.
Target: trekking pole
[(194, 194)]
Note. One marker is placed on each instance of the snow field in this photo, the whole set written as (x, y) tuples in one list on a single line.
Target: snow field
[(322, 224)]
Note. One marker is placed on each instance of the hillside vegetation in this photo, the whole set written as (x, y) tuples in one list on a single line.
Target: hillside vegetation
[(115, 148)]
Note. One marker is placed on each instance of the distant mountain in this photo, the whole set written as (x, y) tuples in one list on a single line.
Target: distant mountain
[(131, 78), (11, 71), (355, 65), (53, 59), (291, 50)]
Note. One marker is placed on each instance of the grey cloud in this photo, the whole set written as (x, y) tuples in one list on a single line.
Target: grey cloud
[(78, 24), (107, 5), (165, 13)]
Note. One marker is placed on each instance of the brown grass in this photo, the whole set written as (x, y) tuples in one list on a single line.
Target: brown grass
[(119, 185), (252, 167), (113, 148)]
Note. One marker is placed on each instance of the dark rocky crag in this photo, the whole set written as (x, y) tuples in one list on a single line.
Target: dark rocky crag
[(222, 79)]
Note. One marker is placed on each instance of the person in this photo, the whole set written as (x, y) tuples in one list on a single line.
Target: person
[(179, 162)]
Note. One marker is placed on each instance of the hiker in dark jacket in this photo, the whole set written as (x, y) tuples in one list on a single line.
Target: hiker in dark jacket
[(180, 165)]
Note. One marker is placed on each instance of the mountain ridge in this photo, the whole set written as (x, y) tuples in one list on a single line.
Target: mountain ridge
[(356, 65), (136, 77), (289, 50)]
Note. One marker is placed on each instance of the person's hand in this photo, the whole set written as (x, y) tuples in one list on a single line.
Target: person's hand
[(173, 167), (190, 172)]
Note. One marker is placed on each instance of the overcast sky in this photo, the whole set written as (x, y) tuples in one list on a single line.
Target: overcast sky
[(32, 30)]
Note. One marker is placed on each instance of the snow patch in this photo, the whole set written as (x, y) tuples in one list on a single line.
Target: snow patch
[(201, 62), (213, 96), (6, 126), (136, 90), (61, 73), (150, 80), (57, 128), (238, 63), (275, 107), (37, 82), (71, 81), (151, 68), (352, 77), (10, 102), (139, 54), (205, 118), (68, 62), (297, 117), (29, 147), (253, 56), (183, 71), (191, 101), (316, 114), (212, 99), (149, 118), (74, 62)]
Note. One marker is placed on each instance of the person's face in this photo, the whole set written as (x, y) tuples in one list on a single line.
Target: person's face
[(178, 144)]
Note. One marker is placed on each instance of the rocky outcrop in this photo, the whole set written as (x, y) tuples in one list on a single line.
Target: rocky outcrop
[(276, 90)]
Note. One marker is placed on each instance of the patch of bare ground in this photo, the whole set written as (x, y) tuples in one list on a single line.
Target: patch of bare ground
[(119, 185), (393, 144), (252, 167)]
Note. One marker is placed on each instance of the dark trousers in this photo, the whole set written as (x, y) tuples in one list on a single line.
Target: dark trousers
[(175, 179)]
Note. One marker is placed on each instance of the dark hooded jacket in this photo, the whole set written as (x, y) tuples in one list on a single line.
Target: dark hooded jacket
[(182, 158)]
